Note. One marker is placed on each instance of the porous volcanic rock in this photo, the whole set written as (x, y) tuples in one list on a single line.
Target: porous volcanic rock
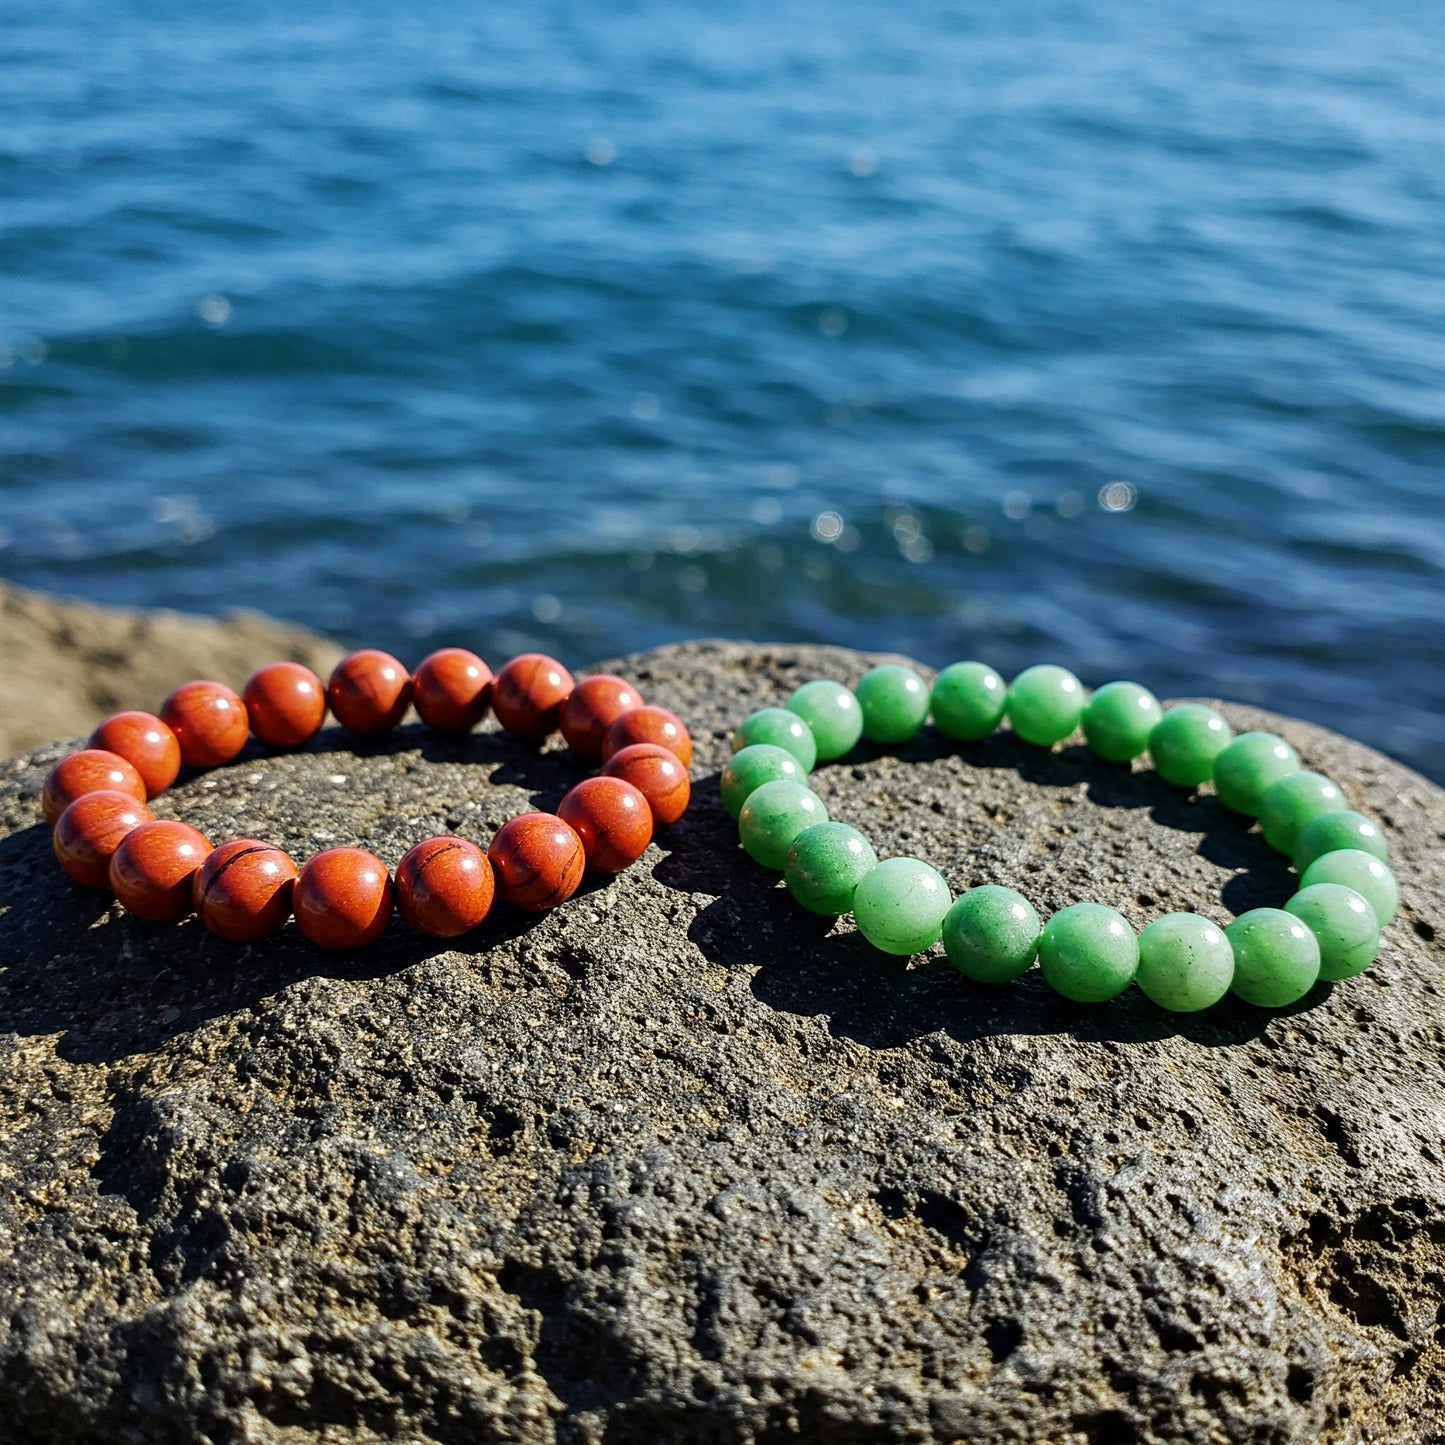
[(680, 1162)]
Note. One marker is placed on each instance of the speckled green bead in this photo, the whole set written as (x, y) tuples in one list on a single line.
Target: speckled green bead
[(1276, 957), (1363, 872), (1185, 743), (832, 714), (1344, 926), (772, 818), (991, 934), (1118, 720), (781, 729), (748, 769), (1329, 832), (968, 701), (826, 864), (1045, 704), (1248, 766), (894, 702), (1291, 803), (1088, 952), (900, 905), (1185, 962)]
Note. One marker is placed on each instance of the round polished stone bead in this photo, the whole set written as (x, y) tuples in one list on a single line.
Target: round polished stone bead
[(825, 865), (1363, 872), (899, 906), (893, 700), (242, 892), (657, 774), (1045, 704), (1186, 741), (538, 859), (89, 831), (1287, 805), (209, 722), (451, 690), (754, 765), (613, 820), (444, 887), (1185, 962), (91, 770), (778, 728), (1248, 766), (991, 934), (649, 724), (146, 743), (832, 714), (528, 693), (1276, 957), (369, 691), (285, 704), (343, 898), (968, 701), (1329, 832), (772, 818), (592, 706), (1118, 720), (1344, 926), (151, 871), (1088, 952)]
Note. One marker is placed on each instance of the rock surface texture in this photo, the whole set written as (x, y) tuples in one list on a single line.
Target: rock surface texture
[(677, 1162)]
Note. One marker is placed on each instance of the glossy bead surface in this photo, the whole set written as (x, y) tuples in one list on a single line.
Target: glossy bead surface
[(1344, 926), (146, 743), (1045, 704), (369, 692), (1185, 962), (1363, 872), (756, 764), (444, 887), (772, 818), (592, 706), (342, 898), (151, 871), (1118, 719), (528, 693), (1329, 832), (613, 820), (89, 831), (285, 703), (1088, 952), (538, 860), (825, 865), (893, 700), (899, 906), (1186, 742), (242, 892), (649, 724), (832, 714), (779, 728), (657, 774), (451, 690), (209, 722), (1276, 957), (1287, 805), (91, 770), (1248, 766), (991, 934), (968, 701)]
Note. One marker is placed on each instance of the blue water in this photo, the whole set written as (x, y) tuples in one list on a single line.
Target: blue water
[(1106, 333)]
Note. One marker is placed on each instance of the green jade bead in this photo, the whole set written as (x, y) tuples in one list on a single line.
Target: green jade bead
[(1248, 766), (1291, 803), (781, 729), (772, 818), (968, 701), (900, 906), (1088, 952), (991, 934), (1045, 704), (1344, 926), (1185, 963), (1363, 872), (894, 702), (826, 864), (1185, 743), (832, 714), (1276, 957), (1330, 832), (756, 764), (1118, 720)]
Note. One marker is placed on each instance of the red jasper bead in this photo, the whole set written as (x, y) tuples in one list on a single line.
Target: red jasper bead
[(151, 871), (342, 898), (452, 690), (369, 691), (657, 774), (92, 770), (209, 722), (593, 706), (612, 819), (444, 887), (649, 725), (90, 830), (146, 743), (242, 892), (528, 694), (538, 861), (286, 703)]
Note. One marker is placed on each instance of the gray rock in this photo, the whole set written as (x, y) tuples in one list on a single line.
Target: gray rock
[(680, 1162)]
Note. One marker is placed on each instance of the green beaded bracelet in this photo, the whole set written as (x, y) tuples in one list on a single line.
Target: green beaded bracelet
[(1330, 929)]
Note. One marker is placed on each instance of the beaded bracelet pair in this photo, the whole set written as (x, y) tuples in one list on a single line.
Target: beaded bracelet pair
[(1330, 929)]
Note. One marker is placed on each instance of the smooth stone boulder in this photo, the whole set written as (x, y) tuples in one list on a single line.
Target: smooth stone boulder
[(682, 1161)]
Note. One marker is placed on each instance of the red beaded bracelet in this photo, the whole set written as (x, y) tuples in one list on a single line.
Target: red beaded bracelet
[(106, 837)]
